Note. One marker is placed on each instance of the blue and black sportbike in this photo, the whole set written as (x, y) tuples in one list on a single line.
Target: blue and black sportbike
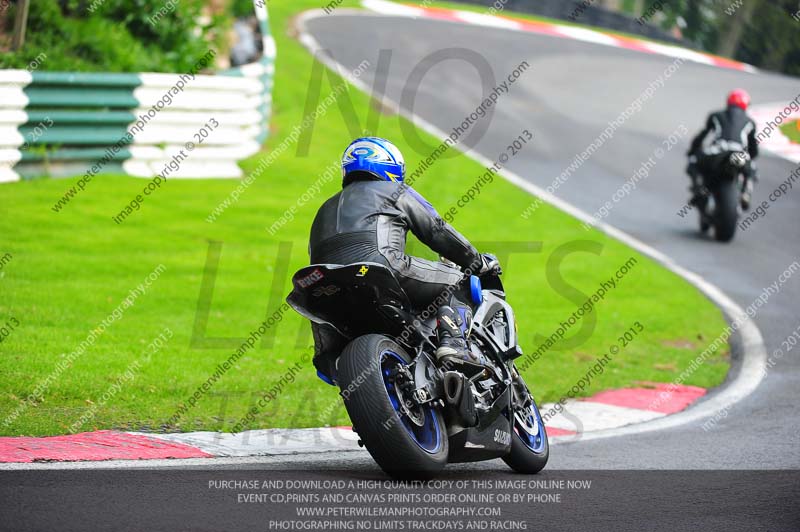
[(415, 415)]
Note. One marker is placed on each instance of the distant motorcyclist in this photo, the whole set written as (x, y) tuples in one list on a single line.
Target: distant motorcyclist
[(727, 131), (368, 221)]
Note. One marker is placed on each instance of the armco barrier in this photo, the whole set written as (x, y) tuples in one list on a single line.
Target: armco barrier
[(65, 124)]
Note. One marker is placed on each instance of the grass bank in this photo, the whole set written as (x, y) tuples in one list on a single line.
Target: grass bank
[(67, 272)]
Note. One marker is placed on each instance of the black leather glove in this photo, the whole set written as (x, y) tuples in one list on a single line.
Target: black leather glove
[(490, 265)]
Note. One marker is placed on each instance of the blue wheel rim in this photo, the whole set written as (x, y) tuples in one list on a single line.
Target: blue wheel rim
[(536, 439), (428, 437)]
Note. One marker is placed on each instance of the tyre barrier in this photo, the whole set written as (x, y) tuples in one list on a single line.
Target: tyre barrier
[(61, 124)]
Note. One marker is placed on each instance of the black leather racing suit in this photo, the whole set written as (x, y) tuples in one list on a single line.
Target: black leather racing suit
[(726, 131), (367, 222)]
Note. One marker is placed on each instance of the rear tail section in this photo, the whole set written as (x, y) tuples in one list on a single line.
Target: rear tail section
[(355, 299)]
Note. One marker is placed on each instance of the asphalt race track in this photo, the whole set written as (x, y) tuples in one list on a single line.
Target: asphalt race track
[(566, 98)]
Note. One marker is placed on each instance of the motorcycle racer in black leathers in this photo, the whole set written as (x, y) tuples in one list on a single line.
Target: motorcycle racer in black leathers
[(726, 131), (368, 220)]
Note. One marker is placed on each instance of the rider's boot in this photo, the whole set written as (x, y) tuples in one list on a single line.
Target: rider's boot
[(696, 197), (696, 188), (452, 343)]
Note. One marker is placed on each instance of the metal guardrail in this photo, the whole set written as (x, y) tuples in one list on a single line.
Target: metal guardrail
[(60, 124)]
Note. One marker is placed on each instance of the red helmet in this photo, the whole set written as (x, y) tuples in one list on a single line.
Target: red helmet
[(739, 98)]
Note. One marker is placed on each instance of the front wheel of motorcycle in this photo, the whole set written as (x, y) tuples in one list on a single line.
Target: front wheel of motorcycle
[(405, 439), (530, 449)]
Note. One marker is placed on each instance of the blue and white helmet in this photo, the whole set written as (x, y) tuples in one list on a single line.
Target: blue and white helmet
[(376, 156)]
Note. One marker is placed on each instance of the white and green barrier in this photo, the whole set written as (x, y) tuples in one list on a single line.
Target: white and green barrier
[(64, 124)]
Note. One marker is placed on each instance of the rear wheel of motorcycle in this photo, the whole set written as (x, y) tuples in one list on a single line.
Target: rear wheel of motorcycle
[(530, 449), (403, 445), (726, 211)]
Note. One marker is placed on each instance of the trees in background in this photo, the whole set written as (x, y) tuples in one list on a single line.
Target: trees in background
[(115, 35), (765, 33)]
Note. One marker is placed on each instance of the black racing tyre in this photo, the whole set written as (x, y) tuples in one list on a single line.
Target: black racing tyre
[(529, 452), (405, 444), (727, 211)]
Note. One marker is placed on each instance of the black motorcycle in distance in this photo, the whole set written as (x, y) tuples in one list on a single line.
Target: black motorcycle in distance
[(412, 415), (721, 201)]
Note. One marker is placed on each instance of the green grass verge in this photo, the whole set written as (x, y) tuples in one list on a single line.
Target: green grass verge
[(64, 273), (792, 130)]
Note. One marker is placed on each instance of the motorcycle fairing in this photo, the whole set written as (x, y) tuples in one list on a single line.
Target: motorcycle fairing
[(490, 439)]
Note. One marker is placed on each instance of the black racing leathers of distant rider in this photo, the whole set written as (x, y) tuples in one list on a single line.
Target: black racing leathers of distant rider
[(726, 131), (367, 221)]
